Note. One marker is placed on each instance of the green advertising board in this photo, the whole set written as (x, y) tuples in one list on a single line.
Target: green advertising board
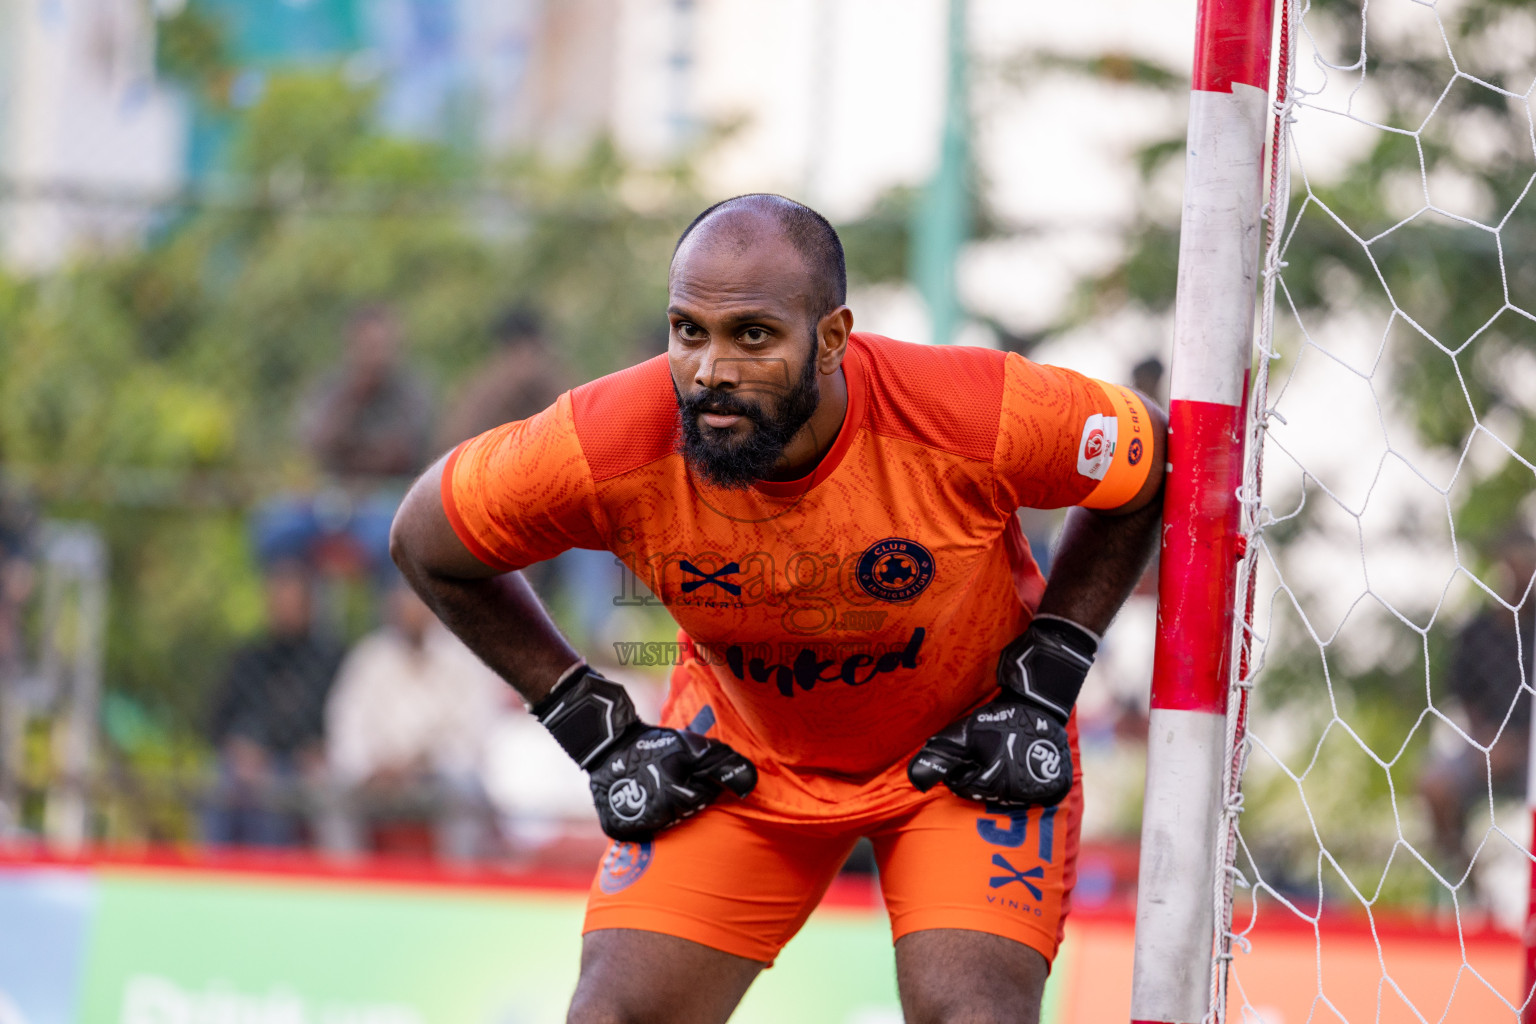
[(161, 947), (113, 945)]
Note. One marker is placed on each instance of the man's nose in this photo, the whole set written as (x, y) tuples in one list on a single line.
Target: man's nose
[(718, 369)]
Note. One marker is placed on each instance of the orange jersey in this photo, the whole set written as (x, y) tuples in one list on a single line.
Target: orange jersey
[(829, 625)]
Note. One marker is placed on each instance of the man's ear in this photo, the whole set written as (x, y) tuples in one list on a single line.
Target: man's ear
[(832, 333)]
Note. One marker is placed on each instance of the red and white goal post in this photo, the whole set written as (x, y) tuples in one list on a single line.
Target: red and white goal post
[(1188, 740), (1207, 643)]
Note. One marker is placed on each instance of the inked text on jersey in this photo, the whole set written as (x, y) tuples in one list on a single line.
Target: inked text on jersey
[(809, 667)]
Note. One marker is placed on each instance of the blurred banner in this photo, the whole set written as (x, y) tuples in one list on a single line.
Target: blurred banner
[(158, 945), (291, 941)]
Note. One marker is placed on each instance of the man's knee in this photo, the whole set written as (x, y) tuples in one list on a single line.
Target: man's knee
[(606, 996), (965, 977), (1018, 1006), (606, 1000), (638, 977), (595, 1008), (979, 1011)]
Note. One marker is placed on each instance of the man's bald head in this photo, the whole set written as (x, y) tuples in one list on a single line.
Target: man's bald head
[(742, 220)]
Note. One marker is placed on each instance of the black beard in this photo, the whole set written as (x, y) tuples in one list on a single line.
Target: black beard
[(726, 460)]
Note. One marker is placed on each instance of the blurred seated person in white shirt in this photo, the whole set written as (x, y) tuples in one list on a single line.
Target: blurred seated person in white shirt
[(406, 725), (542, 799)]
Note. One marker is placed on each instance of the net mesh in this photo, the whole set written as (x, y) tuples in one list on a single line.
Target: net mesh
[(1375, 849)]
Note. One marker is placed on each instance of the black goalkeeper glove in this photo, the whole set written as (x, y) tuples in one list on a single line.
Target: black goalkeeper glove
[(1013, 750), (644, 778)]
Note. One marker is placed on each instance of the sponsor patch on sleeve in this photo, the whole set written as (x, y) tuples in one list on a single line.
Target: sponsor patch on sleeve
[(1096, 450)]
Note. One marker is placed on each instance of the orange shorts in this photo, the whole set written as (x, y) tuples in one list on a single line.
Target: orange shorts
[(745, 886)]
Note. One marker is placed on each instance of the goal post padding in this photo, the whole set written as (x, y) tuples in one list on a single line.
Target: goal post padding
[(1219, 246)]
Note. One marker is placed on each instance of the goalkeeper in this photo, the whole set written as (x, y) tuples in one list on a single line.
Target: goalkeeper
[(868, 647)]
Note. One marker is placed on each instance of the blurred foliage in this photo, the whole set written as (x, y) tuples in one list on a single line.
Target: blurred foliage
[(152, 391), (1117, 68), (878, 245), (1333, 795), (1448, 276), (190, 50)]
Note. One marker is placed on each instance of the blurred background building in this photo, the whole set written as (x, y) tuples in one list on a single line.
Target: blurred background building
[(82, 110)]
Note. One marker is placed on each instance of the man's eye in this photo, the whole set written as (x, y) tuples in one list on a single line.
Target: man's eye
[(689, 331), (755, 334)]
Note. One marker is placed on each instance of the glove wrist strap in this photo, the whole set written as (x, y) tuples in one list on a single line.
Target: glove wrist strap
[(586, 714), (1068, 630), (1048, 662)]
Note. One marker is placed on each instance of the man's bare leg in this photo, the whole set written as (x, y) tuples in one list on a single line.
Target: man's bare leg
[(952, 976), (636, 977)]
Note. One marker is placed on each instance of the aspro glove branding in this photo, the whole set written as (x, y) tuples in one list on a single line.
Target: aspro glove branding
[(655, 777), (1014, 751), (643, 778)]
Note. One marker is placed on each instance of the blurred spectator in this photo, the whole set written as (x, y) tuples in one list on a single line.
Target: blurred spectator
[(405, 729), (540, 796), (268, 720), (521, 378), (1490, 663), (371, 417), (367, 425), (18, 539), (1148, 376), (18, 530), (543, 803)]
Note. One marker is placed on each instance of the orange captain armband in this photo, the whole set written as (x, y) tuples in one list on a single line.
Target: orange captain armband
[(1117, 449)]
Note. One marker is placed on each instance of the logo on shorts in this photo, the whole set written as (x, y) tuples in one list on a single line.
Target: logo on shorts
[(1133, 453), (623, 865), (1097, 449), (895, 569), (1044, 761), (1015, 875), (627, 799)]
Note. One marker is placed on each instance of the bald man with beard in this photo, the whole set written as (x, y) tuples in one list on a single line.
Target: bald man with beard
[(866, 647)]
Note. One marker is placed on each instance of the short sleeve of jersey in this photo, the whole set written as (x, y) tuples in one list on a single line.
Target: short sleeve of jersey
[(522, 492), (1066, 439)]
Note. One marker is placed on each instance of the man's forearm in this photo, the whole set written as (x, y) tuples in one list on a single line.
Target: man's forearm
[(1098, 561), (495, 613), (503, 621)]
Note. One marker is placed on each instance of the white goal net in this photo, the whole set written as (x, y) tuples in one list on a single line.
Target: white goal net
[(1378, 862)]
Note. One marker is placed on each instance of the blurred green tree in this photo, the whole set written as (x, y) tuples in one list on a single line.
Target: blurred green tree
[(1436, 136), (152, 391)]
